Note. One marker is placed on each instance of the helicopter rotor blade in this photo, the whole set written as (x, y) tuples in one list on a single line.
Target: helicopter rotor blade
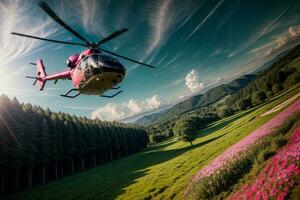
[(49, 40), (52, 14), (111, 36), (126, 58)]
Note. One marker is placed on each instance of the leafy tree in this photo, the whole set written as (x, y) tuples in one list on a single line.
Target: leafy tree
[(292, 79), (226, 112), (185, 130), (269, 94), (245, 104), (259, 97), (168, 133), (277, 88)]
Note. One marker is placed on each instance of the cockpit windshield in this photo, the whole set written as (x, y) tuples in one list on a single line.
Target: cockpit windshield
[(98, 63), (99, 60)]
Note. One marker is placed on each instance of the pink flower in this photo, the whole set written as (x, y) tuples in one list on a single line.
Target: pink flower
[(284, 166), (237, 149)]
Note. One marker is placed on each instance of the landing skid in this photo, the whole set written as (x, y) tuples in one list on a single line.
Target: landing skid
[(112, 96), (68, 96)]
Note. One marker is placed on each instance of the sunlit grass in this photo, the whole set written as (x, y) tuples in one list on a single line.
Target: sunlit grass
[(161, 172)]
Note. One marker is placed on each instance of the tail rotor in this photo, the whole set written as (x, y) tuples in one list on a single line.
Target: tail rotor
[(40, 74)]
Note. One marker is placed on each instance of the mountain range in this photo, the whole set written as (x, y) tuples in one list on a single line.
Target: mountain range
[(200, 100)]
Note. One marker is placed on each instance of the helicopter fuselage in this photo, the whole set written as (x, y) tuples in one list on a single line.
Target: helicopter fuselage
[(95, 73)]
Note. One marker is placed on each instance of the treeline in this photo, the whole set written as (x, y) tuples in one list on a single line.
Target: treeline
[(38, 146), (279, 76)]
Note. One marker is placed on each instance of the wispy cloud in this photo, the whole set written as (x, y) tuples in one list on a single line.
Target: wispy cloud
[(266, 52), (168, 86), (265, 29), (219, 51), (18, 16), (284, 39), (279, 42), (165, 18), (91, 15), (205, 19)]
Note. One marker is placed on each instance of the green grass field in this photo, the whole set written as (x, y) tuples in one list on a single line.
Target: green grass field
[(162, 171)]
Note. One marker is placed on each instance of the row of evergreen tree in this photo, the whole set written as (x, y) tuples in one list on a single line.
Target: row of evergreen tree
[(38, 146)]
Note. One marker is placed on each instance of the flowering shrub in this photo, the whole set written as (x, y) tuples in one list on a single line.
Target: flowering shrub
[(235, 150), (227, 168), (278, 176)]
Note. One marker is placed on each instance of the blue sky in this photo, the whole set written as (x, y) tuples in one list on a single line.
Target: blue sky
[(195, 45)]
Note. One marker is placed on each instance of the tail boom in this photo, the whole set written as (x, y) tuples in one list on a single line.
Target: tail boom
[(41, 76)]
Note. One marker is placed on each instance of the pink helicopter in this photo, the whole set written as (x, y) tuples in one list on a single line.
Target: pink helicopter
[(92, 72)]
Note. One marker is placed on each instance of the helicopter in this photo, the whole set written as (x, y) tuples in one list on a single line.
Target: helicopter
[(93, 71)]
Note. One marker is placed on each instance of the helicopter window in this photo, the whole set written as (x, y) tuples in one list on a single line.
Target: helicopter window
[(97, 60)]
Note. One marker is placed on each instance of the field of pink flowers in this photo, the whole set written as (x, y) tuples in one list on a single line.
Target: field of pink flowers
[(278, 176), (235, 151)]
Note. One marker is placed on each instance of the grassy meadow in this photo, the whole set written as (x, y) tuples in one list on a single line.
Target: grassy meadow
[(162, 171)]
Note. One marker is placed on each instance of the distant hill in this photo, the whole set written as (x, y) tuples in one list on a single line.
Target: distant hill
[(205, 99), (270, 62), (147, 119)]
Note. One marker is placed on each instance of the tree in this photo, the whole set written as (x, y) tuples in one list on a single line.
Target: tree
[(185, 130), (226, 112), (168, 133), (38, 145), (245, 104), (259, 97), (269, 94), (277, 88), (292, 79)]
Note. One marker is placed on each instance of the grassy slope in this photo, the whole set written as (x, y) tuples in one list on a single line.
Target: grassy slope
[(162, 171)]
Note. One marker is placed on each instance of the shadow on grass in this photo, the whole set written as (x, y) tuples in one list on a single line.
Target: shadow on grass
[(225, 122), (217, 126), (109, 180), (162, 145), (138, 166)]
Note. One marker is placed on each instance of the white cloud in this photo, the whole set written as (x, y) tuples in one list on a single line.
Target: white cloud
[(284, 39), (192, 81), (118, 112)]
